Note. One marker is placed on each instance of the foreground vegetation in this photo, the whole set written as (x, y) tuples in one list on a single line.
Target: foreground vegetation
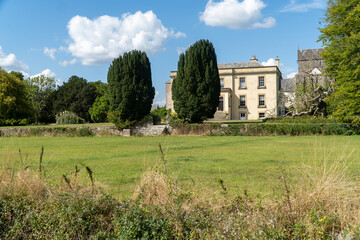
[(323, 205), (250, 163)]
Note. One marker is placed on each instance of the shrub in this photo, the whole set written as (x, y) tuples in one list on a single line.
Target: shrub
[(67, 117), (159, 115)]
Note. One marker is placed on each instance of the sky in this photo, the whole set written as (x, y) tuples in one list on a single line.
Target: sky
[(62, 38)]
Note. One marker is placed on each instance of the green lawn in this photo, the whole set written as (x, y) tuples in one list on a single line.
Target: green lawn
[(251, 163)]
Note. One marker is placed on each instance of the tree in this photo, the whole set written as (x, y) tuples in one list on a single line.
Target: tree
[(309, 96), (40, 89), (77, 96), (18, 75), (341, 38), (14, 102), (101, 106), (130, 88), (196, 88)]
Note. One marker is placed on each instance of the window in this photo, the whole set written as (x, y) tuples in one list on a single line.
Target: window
[(221, 104), (261, 81), (221, 82), (242, 116), (261, 115), (261, 100), (242, 101), (242, 82)]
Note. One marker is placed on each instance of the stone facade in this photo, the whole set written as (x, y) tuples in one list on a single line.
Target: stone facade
[(310, 68), (249, 91), (311, 65)]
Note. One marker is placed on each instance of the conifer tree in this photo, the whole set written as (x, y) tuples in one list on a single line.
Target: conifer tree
[(196, 88), (130, 88)]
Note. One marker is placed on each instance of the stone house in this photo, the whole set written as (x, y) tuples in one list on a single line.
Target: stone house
[(310, 68), (249, 91)]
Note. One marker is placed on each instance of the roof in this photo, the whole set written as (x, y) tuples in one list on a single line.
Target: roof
[(288, 84), (239, 65), (225, 90)]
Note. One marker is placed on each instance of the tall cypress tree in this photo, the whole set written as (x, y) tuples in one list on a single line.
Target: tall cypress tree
[(196, 88), (130, 88)]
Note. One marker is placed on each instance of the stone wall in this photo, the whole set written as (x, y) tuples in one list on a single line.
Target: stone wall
[(146, 130)]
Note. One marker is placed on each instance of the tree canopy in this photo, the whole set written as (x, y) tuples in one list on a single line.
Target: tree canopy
[(130, 88), (76, 95), (14, 102), (196, 87), (341, 39), (101, 106), (40, 89)]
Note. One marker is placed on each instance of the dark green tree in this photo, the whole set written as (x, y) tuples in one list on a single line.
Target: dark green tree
[(130, 88), (76, 95), (341, 39), (196, 88)]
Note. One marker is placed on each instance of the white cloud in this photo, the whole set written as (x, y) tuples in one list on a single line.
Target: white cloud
[(10, 62), (66, 63), (26, 75), (271, 62), (236, 15), (180, 50), (295, 6), (160, 102), (156, 94), (105, 38), (46, 73), (291, 75), (50, 52)]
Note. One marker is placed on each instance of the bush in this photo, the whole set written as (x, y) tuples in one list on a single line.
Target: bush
[(159, 115), (67, 117), (264, 129)]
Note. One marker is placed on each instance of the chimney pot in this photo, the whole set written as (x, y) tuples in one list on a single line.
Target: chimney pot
[(253, 59)]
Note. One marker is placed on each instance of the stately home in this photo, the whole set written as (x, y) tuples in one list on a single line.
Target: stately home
[(249, 91)]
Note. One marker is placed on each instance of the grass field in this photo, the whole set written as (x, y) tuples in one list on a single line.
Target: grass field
[(251, 163)]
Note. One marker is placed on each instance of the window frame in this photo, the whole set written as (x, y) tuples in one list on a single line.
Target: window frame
[(240, 82), (218, 108), (261, 113), (222, 80), (245, 100), (264, 101), (264, 85), (242, 113)]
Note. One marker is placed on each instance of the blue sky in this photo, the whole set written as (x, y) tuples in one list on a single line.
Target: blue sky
[(62, 38)]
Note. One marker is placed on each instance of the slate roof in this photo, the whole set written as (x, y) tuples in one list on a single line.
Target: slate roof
[(239, 65)]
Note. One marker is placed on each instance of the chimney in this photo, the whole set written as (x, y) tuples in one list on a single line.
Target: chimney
[(253, 59), (277, 62)]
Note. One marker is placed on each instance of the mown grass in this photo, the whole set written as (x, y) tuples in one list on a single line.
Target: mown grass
[(196, 162)]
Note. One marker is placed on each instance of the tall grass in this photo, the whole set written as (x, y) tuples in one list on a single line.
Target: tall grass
[(324, 204)]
